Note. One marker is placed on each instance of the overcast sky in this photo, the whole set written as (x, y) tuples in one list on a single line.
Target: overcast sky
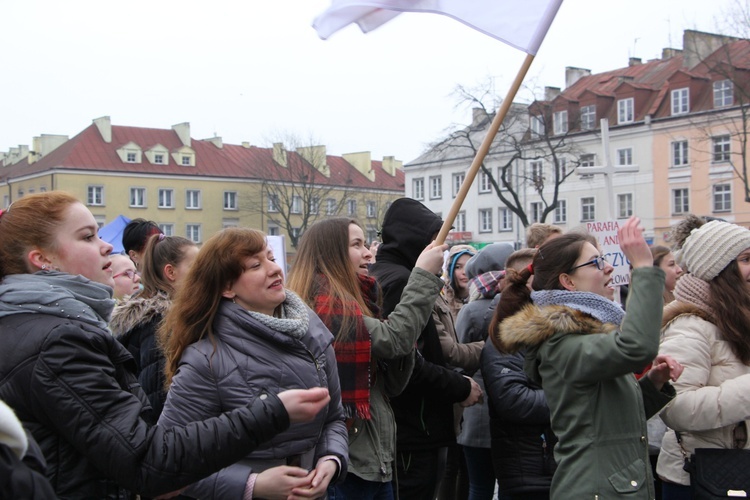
[(256, 71)]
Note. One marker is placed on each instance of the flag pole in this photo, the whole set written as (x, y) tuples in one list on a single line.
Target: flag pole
[(484, 148)]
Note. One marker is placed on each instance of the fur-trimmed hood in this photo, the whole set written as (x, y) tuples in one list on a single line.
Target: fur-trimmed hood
[(137, 311), (675, 309), (533, 325)]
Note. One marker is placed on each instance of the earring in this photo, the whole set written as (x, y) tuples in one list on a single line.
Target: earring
[(233, 301), (44, 266)]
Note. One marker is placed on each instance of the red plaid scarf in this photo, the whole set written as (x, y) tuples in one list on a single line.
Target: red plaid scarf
[(353, 349)]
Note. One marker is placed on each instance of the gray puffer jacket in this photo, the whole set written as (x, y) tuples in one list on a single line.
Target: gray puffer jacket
[(250, 360)]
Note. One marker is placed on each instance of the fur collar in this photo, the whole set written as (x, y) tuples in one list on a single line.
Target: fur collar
[(533, 325), (137, 311), (675, 309)]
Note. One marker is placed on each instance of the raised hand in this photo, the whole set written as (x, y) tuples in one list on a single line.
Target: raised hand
[(633, 244), (431, 258)]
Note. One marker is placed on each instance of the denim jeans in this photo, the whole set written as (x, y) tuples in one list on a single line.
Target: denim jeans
[(481, 473), (355, 488)]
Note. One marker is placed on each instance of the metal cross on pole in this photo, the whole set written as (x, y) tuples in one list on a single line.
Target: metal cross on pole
[(608, 169)]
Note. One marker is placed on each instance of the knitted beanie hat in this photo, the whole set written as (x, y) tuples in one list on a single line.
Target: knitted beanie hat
[(711, 247)]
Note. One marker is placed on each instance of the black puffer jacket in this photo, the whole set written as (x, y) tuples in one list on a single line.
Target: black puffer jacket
[(424, 411), (71, 384), (522, 440), (135, 323)]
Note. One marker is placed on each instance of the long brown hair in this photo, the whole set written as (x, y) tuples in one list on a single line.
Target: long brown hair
[(30, 222), (219, 264), (159, 251), (553, 258), (730, 300), (324, 249)]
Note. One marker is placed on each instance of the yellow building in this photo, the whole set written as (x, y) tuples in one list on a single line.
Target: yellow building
[(194, 188)]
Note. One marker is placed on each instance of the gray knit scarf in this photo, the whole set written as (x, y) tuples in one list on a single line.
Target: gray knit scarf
[(58, 294), (604, 310), (294, 320), (694, 291)]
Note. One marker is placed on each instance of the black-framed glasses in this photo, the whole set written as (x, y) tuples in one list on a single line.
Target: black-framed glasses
[(600, 262), (129, 273)]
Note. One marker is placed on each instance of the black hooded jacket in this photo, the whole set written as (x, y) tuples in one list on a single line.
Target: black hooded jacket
[(424, 411)]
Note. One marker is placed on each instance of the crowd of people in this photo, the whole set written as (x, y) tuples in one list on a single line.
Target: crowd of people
[(369, 370)]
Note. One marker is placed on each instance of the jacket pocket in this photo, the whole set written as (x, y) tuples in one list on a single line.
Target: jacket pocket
[(629, 479)]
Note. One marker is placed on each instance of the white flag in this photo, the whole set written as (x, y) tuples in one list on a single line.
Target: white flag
[(519, 23)]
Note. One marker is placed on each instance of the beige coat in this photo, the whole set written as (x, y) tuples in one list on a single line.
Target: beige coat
[(713, 393)]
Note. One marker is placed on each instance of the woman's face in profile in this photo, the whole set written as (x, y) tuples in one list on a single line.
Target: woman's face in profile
[(672, 270)]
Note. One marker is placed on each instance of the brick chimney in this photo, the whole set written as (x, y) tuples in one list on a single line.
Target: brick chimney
[(391, 164), (551, 92), (572, 75), (668, 53), (183, 132), (279, 154), (362, 162), (315, 156), (104, 124), (697, 45), (46, 143), (634, 61)]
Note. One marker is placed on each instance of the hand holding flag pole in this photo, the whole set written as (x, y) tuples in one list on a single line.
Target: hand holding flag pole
[(519, 23)]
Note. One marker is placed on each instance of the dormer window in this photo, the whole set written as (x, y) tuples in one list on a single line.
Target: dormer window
[(723, 93), (625, 110), (588, 117), (129, 153), (159, 159), (560, 125), (186, 160), (131, 157), (680, 101)]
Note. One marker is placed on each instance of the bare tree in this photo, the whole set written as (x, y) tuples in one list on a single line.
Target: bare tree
[(296, 190), (525, 137)]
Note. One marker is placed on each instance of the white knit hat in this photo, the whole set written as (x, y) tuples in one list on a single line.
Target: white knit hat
[(711, 247)]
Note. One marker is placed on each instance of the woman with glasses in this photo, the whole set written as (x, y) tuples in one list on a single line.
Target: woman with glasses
[(127, 279), (583, 350), (164, 262)]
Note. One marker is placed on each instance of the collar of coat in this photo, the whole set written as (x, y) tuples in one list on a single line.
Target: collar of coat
[(137, 311), (533, 325), (676, 309)]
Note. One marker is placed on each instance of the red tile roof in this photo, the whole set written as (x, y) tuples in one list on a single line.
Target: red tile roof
[(87, 151)]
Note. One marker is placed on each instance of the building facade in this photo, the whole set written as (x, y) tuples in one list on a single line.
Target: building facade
[(677, 143), (193, 188)]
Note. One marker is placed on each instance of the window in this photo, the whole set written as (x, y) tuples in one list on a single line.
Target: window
[(560, 122), (680, 101), (504, 220), (624, 205), (193, 232), (625, 112), (6, 200), (588, 160), (159, 159), (100, 220), (680, 201), (485, 220), (230, 200), (458, 179), (167, 229), (722, 198), (485, 186), (193, 199), (273, 203), (372, 209), (679, 153), (625, 156), (314, 205), (230, 222), (43, 189), (186, 160), (417, 186), (273, 231), (588, 117), (331, 206), (371, 234), (95, 196), (588, 210), (130, 157), (297, 204), (508, 177), (295, 233), (721, 148), (537, 171), (536, 124), (460, 222), (436, 187), (138, 197), (166, 198), (563, 167), (536, 211), (723, 93), (351, 207), (561, 212)]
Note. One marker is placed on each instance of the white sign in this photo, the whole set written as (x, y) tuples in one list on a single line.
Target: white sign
[(605, 233), (277, 244)]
